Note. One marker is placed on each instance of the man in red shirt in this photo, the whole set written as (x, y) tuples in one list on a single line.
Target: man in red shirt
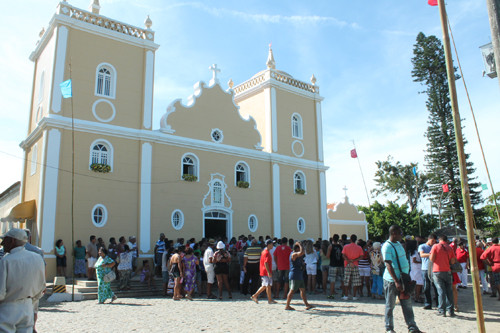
[(463, 258), (442, 255), (480, 266), (492, 257), (352, 253), (282, 257), (266, 273)]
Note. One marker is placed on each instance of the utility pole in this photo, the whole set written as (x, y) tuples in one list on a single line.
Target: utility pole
[(463, 168), (494, 17)]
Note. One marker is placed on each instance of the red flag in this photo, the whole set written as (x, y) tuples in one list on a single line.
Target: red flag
[(432, 2), (446, 189), (353, 153)]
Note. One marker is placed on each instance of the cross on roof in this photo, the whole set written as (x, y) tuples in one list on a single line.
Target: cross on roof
[(214, 70), (345, 190)]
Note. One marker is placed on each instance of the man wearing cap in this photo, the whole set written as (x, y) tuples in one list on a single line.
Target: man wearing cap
[(22, 282), (208, 262), (266, 273)]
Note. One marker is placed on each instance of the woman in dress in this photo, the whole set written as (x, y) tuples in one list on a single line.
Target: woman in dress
[(80, 268), (102, 267), (190, 262), (221, 268), (60, 258), (415, 268)]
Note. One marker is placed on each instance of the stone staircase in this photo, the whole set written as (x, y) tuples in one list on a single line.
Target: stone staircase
[(88, 289)]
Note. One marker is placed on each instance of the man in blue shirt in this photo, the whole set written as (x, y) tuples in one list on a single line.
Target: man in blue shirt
[(425, 252), (392, 251)]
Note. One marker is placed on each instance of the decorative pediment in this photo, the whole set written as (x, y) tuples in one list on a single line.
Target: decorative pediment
[(345, 211), (211, 115)]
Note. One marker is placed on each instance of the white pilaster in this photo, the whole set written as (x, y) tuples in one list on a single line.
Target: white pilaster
[(145, 208), (322, 208), (268, 121), (276, 201), (274, 120), (319, 126), (62, 40), (148, 90), (48, 217), (40, 201)]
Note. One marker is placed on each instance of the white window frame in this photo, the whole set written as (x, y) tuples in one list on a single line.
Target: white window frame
[(221, 135), (181, 219), (34, 159), (303, 224), (247, 172), (256, 226), (110, 149), (104, 215), (112, 85), (196, 161), (41, 87), (295, 174), (220, 195), (300, 134)]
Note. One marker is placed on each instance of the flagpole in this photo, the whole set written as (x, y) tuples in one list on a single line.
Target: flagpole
[(463, 170), (362, 176), (72, 185)]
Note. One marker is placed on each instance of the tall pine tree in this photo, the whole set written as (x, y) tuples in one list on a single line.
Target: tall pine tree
[(429, 68)]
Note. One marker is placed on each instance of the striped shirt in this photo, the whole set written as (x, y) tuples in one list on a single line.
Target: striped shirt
[(253, 254)]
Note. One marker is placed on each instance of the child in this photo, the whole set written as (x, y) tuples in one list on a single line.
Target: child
[(146, 274)]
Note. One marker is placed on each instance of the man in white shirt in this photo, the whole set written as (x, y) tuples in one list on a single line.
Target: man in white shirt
[(132, 244), (208, 257), (22, 282)]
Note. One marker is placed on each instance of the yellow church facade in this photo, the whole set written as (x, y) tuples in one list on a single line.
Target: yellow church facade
[(245, 159)]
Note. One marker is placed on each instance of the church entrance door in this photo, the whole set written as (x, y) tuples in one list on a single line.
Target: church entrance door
[(215, 224)]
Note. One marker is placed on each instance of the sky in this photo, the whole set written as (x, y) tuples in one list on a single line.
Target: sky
[(360, 52)]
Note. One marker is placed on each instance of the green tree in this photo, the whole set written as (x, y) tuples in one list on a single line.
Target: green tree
[(486, 219), (429, 68), (380, 218), (395, 178)]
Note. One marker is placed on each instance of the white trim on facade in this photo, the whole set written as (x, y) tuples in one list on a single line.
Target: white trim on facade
[(41, 87), (196, 165), (60, 62), (274, 120), (300, 126), (40, 201), (218, 133), (298, 143), (102, 100), (303, 179), (50, 191), (34, 159), (180, 215), (247, 173), (148, 89), (110, 148), (267, 117), (303, 225), (113, 79), (104, 215), (322, 205), (145, 197), (319, 129), (256, 223), (276, 201)]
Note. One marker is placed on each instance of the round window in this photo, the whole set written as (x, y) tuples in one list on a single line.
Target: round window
[(217, 135), (301, 225), (177, 219), (99, 215), (253, 223)]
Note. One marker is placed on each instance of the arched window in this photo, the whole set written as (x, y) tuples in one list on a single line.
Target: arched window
[(297, 126), (105, 81), (34, 157), (99, 215), (217, 193), (299, 182), (242, 174), (253, 223), (177, 219), (101, 152), (190, 167), (301, 225)]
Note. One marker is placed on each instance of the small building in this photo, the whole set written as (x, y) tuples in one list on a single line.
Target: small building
[(344, 218), (8, 200)]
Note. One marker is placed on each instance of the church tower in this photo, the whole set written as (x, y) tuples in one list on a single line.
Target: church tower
[(111, 68), (288, 116)]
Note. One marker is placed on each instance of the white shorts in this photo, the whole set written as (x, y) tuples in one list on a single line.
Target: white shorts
[(311, 269), (364, 271), (210, 274), (266, 281), (91, 262)]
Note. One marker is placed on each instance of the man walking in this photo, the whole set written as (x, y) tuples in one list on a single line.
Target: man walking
[(393, 251), (266, 273), (22, 282), (297, 277), (208, 263), (251, 262), (352, 253), (425, 252), (442, 255), (282, 257)]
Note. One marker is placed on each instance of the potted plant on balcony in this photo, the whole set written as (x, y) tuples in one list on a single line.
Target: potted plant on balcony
[(99, 167), (300, 191), (189, 178), (242, 184)]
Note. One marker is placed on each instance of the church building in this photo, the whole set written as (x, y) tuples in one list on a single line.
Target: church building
[(238, 159)]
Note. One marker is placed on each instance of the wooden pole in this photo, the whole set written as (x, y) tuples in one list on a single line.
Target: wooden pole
[(494, 17), (362, 176), (463, 170)]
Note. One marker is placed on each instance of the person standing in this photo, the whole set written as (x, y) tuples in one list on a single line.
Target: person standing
[(251, 261), (396, 262), (222, 258), (296, 277), (376, 262), (208, 263), (480, 266), (492, 257), (425, 252), (22, 282), (463, 258), (91, 257), (103, 266), (79, 252), (336, 269), (442, 255), (60, 252), (266, 273), (282, 258), (125, 268), (352, 253), (132, 244), (160, 247)]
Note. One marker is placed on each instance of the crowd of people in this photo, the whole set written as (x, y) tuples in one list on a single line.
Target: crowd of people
[(347, 268)]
